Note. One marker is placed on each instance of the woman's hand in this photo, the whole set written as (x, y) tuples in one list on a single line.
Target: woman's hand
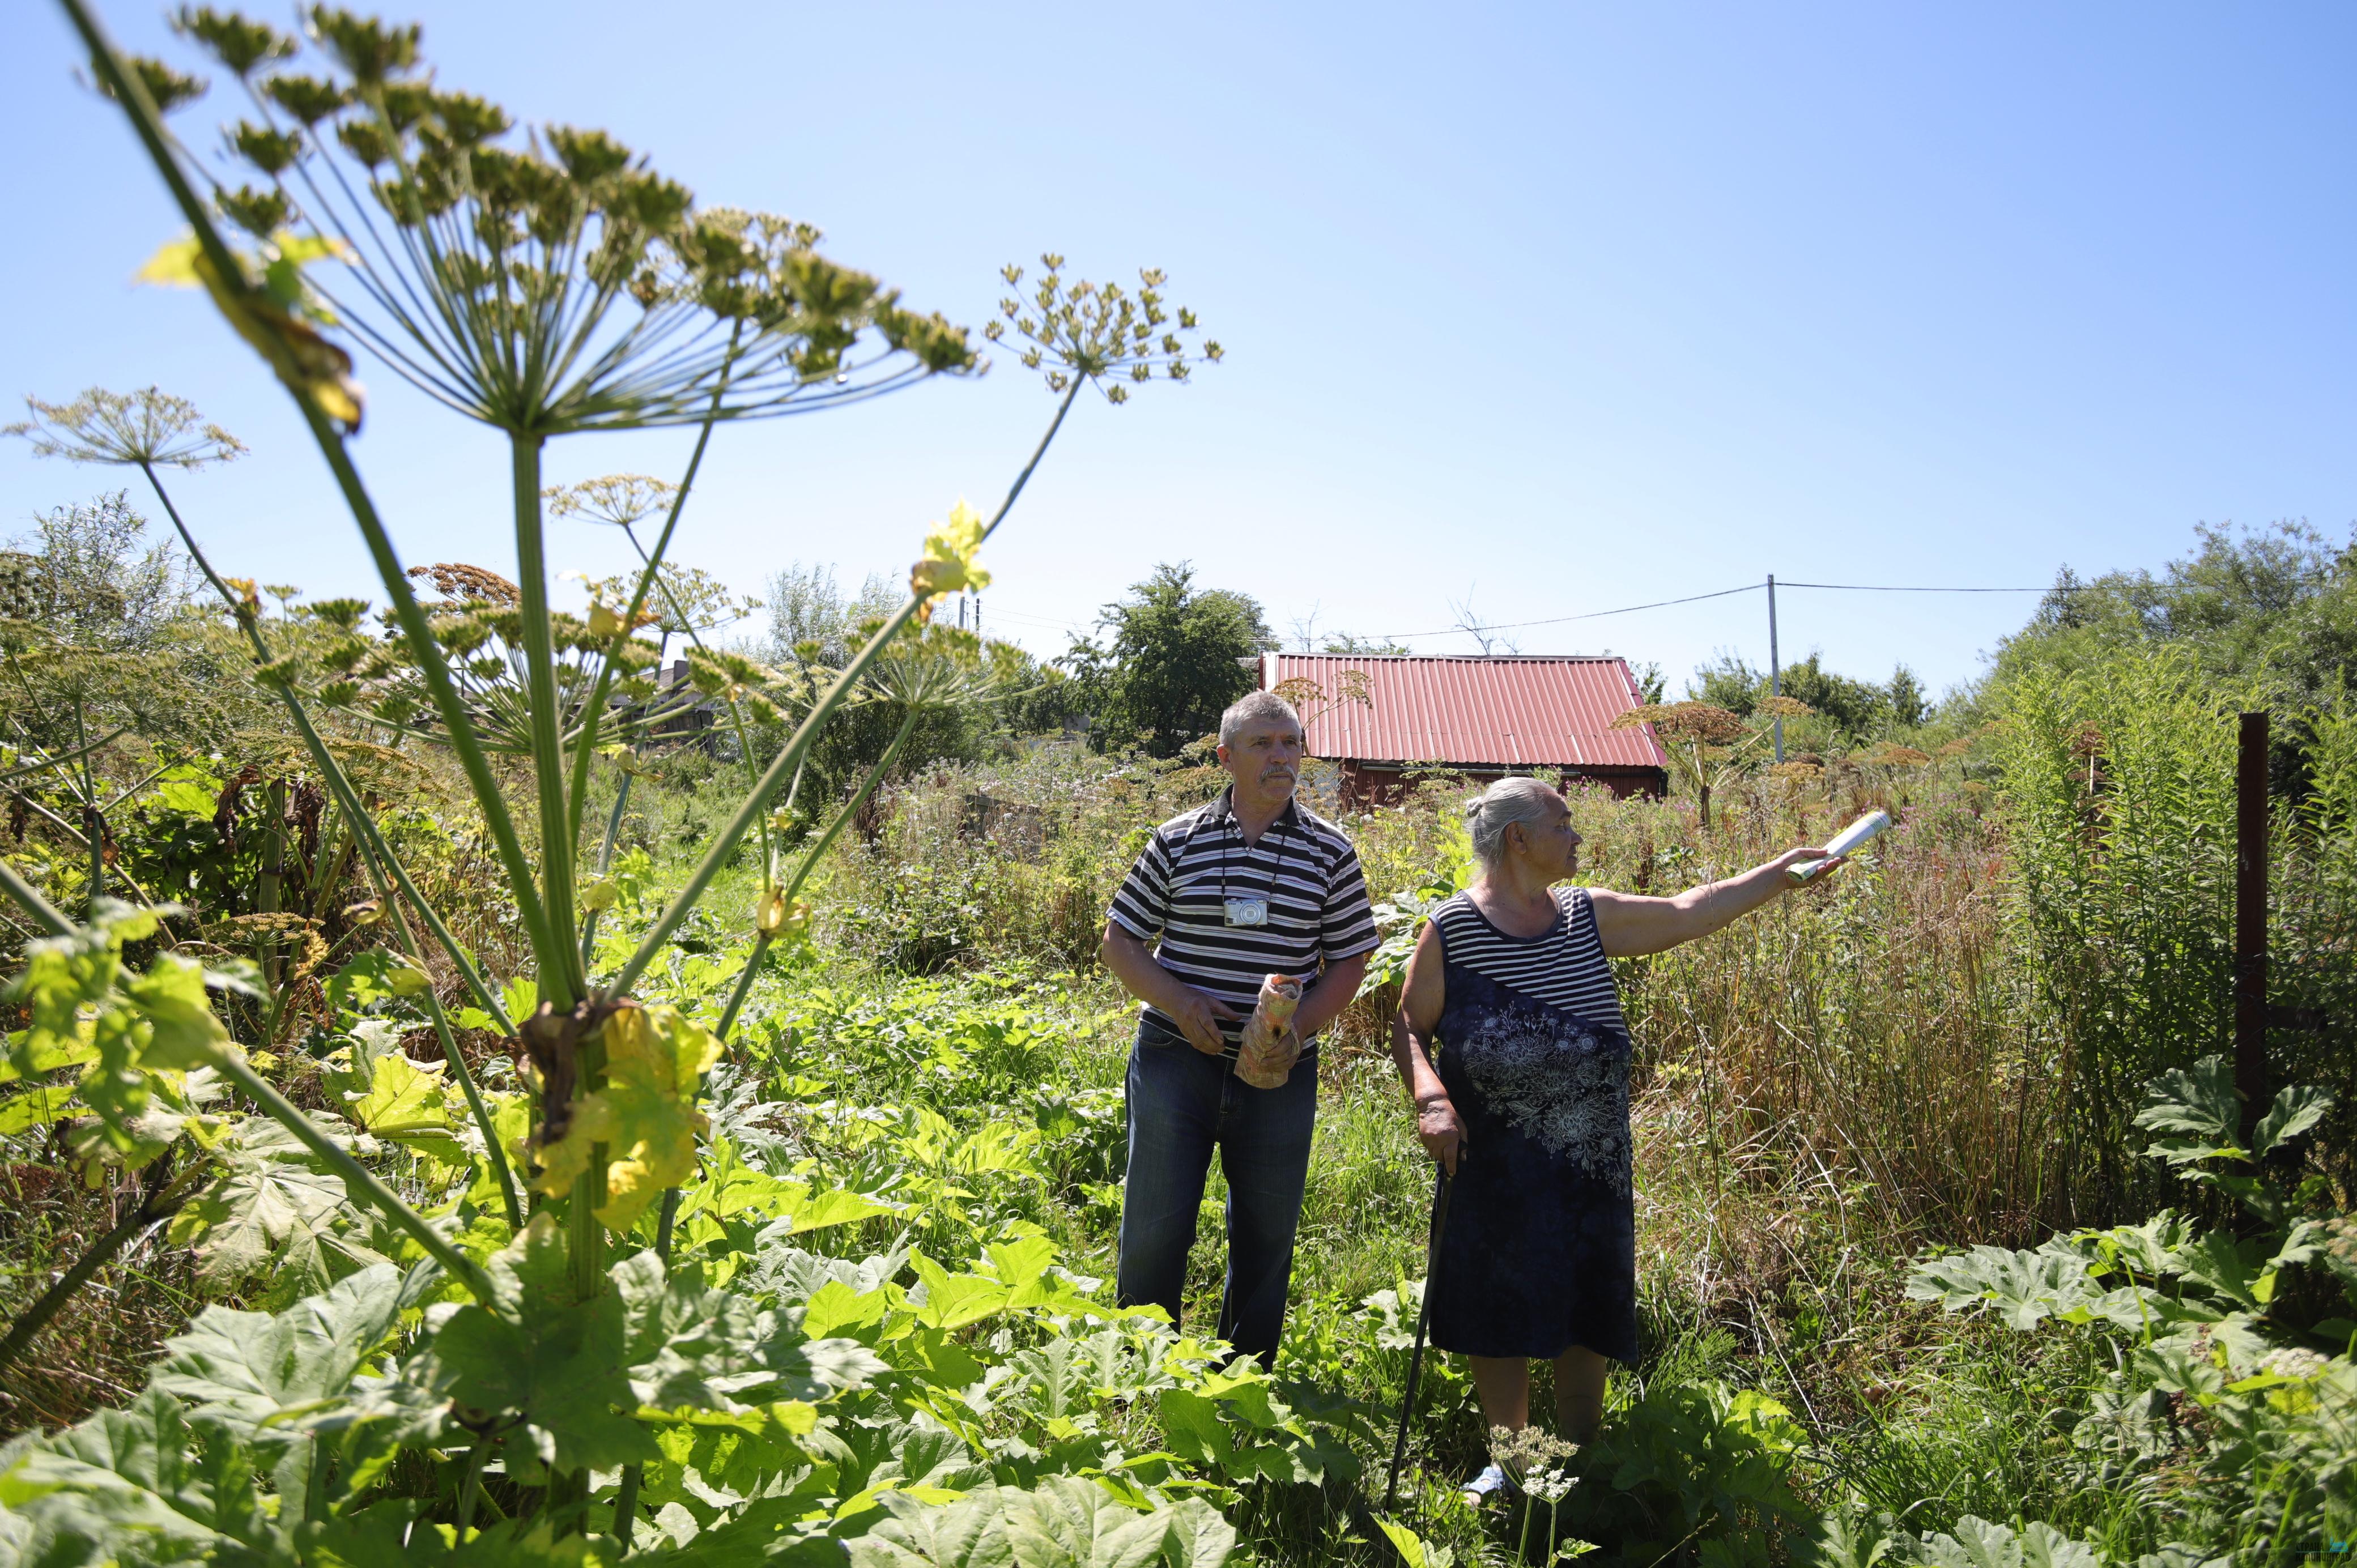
[(1792, 857), (1442, 1134)]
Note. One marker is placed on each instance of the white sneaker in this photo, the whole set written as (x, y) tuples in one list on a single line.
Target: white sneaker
[(1492, 1482)]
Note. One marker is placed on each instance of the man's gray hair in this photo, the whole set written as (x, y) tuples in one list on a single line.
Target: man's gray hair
[(1252, 708), (1509, 800)]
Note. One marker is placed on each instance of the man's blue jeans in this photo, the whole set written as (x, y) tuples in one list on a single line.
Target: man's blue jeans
[(1182, 1103)]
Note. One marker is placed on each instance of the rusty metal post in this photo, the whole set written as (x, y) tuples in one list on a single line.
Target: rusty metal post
[(2251, 920)]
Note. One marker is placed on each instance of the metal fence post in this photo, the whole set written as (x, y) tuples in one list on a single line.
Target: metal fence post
[(2251, 919)]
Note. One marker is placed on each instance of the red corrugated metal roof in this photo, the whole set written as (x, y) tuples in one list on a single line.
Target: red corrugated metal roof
[(1496, 712)]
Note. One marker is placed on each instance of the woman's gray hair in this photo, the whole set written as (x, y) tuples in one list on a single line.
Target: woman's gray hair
[(1509, 800), (1253, 707)]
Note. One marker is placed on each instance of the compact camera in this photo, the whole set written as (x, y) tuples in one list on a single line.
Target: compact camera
[(1248, 911)]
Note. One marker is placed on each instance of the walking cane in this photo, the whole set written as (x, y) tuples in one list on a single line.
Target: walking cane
[(1415, 1356)]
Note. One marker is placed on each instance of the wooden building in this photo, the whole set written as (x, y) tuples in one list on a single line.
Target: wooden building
[(1383, 719)]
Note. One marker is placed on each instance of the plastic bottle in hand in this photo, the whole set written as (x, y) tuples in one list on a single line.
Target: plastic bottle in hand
[(1270, 1047)]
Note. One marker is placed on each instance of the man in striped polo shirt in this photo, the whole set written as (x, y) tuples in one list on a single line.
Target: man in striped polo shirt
[(1247, 887)]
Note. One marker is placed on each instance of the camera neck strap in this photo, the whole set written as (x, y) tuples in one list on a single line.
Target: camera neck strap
[(1284, 846)]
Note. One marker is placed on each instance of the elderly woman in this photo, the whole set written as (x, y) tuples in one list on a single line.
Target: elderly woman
[(1527, 1109)]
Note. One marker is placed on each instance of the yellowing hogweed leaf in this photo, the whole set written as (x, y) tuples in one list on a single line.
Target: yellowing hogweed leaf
[(779, 916), (404, 1100), (949, 562), (266, 318), (654, 1057)]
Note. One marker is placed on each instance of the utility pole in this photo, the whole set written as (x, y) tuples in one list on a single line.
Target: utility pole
[(1775, 669)]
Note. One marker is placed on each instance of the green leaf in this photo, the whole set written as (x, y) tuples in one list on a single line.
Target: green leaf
[(364, 982), (26, 1059), (1067, 1522), (384, 1535), (188, 792), (835, 1306), (688, 1347), (1416, 1553), (558, 1362), (36, 1108), (2297, 1107), (1200, 1537), (1056, 1378), (172, 995), (953, 1301), (2026, 1287), (130, 1486), (968, 1533), (241, 1368), (805, 1211), (1023, 1266), (1977, 1543), (1073, 1521), (520, 997), (406, 1099), (1853, 1540), (2219, 1263), (275, 1210), (2201, 1102)]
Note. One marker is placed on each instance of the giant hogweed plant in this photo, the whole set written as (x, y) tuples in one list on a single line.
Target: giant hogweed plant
[(2233, 1410), (544, 286)]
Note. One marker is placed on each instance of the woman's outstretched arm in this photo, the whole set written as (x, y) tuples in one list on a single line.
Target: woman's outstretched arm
[(1421, 999), (1629, 924)]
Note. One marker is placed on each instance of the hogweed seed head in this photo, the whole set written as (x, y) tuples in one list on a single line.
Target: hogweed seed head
[(617, 500), (1091, 331), (145, 428), (545, 284)]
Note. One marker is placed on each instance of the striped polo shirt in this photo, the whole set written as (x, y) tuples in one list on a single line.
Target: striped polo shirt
[(1175, 896), (1563, 966)]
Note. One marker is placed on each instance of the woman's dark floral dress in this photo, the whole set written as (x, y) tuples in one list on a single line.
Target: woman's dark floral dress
[(1539, 1252)]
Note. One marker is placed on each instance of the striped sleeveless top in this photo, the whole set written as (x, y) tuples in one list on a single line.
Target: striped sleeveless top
[(1563, 966)]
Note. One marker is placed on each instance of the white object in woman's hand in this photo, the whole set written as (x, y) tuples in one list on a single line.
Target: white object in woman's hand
[(1806, 867), (1442, 1134)]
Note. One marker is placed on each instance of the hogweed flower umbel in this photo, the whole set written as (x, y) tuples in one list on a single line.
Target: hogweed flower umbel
[(1083, 331), (545, 282), (145, 429)]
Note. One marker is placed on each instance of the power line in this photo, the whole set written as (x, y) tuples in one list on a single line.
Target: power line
[(1885, 589), (1695, 598), (1003, 614), (1599, 615), (1591, 614)]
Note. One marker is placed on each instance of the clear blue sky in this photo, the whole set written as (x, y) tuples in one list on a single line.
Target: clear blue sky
[(1563, 306)]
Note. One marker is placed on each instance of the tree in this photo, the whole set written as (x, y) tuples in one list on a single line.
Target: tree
[(1175, 658), (1348, 642), (815, 627), (2277, 605), (812, 616), (1859, 709)]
